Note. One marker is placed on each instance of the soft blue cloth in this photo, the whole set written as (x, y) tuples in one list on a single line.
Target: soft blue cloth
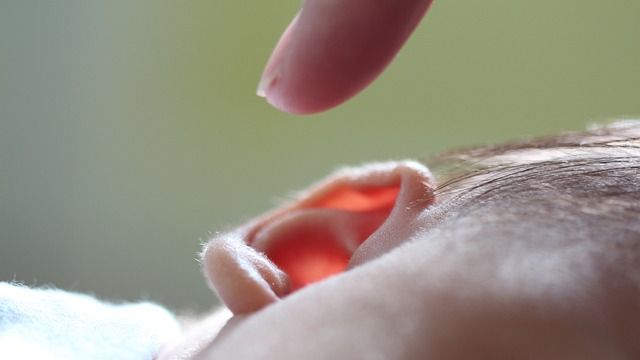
[(55, 324)]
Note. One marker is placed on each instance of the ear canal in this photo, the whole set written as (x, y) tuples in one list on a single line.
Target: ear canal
[(349, 218)]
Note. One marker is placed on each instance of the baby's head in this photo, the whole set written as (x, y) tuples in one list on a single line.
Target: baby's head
[(524, 248)]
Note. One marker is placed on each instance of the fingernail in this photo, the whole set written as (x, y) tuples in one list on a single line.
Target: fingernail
[(273, 70), (267, 79)]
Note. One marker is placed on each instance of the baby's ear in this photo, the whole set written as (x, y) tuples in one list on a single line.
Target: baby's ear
[(353, 216)]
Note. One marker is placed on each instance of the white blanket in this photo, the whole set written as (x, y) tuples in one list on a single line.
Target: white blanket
[(55, 324)]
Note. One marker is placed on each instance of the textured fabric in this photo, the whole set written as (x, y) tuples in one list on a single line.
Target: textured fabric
[(55, 324)]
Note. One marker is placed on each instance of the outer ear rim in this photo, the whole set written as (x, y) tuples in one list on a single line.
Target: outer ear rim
[(374, 174), (416, 194)]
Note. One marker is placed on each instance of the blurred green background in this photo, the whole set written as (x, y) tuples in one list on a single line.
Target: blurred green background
[(130, 129)]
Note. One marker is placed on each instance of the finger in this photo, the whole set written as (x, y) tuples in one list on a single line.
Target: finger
[(335, 48)]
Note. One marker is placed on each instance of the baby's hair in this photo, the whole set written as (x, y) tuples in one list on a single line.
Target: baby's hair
[(620, 135), (586, 182), (598, 154)]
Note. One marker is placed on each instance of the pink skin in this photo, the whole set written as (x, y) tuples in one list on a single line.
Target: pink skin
[(410, 288), (335, 48)]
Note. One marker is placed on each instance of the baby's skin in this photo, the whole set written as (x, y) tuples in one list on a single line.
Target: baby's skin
[(370, 263)]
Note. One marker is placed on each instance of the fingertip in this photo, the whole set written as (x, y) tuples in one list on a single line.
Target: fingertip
[(270, 87), (334, 49)]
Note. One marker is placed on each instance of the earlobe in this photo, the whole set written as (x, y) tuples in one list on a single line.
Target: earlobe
[(351, 217), (244, 279)]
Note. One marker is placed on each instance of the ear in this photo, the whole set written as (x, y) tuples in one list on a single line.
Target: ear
[(351, 217)]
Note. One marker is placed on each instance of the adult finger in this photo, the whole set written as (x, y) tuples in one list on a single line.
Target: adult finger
[(335, 48)]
